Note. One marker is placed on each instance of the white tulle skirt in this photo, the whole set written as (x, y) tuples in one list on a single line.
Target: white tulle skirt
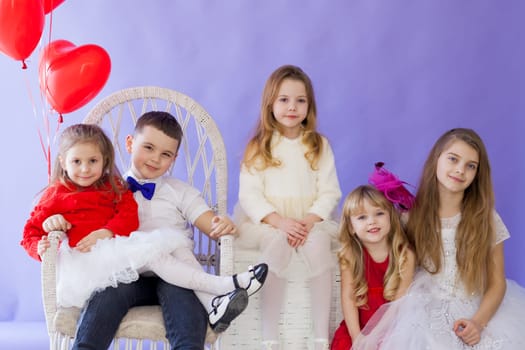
[(423, 319), (316, 253), (110, 261)]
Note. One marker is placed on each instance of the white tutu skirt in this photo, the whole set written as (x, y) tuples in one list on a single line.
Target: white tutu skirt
[(274, 249), (110, 261), (424, 320)]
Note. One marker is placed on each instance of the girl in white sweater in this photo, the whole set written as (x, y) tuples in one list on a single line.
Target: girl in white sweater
[(287, 195)]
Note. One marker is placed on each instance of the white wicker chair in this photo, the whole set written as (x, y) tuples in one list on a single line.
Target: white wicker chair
[(296, 322), (202, 163)]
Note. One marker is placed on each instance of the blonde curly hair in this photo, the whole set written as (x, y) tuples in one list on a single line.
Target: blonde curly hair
[(351, 255)]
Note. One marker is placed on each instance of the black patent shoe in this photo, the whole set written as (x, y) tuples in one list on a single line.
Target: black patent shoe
[(226, 308), (259, 273)]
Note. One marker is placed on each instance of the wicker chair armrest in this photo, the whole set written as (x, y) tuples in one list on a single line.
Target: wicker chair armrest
[(226, 258), (48, 275)]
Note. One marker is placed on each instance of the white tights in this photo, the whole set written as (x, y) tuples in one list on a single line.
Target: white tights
[(182, 269), (272, 296)]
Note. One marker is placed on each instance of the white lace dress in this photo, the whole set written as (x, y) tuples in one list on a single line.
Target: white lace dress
[(424, 318)]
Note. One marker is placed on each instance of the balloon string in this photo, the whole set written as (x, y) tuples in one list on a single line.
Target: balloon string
[(24, 65), (48, 143), (50, 26), (42, 97), (46, 147)]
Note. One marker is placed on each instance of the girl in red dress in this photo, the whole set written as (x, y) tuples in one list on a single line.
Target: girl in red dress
[(377, 264)]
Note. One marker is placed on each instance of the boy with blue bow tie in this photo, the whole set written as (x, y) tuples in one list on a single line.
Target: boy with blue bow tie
[(170, 205)]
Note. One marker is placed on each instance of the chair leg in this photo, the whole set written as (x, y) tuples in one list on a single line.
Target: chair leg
[(53, 341), (64, 342)]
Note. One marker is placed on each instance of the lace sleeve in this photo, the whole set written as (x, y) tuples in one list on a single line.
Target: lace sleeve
[(501, 230)]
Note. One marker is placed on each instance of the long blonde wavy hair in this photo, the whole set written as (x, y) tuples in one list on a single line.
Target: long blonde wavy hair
[(475, 232), (351, 255), (258, 152)]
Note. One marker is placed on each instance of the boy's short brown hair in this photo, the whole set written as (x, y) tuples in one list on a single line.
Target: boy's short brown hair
[(162, 121)]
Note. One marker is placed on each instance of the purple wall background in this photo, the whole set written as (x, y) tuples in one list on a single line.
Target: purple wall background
[(390, 77)]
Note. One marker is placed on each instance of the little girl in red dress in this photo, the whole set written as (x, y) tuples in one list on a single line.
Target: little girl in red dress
[(376, 261)]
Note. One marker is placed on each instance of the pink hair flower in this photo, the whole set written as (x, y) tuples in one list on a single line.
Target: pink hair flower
[(393, 188)]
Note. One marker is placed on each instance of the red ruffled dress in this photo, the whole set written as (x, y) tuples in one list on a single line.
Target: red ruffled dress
[(375, 273)]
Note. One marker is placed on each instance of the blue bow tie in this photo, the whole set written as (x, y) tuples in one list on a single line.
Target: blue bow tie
[(146, 189)]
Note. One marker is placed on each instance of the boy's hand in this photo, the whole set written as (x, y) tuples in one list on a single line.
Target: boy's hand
[(85, 244), (468, 330), (42, 245), (221, 225), (56, 223)]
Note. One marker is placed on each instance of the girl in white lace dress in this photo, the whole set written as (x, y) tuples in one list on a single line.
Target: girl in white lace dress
[(460, 298)]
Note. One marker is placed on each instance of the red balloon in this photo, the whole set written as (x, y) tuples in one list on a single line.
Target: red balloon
[(50, 5), (21, 26), (71, 76)]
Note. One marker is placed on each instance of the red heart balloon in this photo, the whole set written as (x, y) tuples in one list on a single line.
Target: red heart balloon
[(50, 5), (21, 26), (71, 76)]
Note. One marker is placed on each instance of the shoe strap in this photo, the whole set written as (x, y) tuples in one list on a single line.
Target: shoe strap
[(251, 270), (236, 282), (215, 302)]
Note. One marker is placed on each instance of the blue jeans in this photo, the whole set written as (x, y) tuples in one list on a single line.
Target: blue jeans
[(184, 316)]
